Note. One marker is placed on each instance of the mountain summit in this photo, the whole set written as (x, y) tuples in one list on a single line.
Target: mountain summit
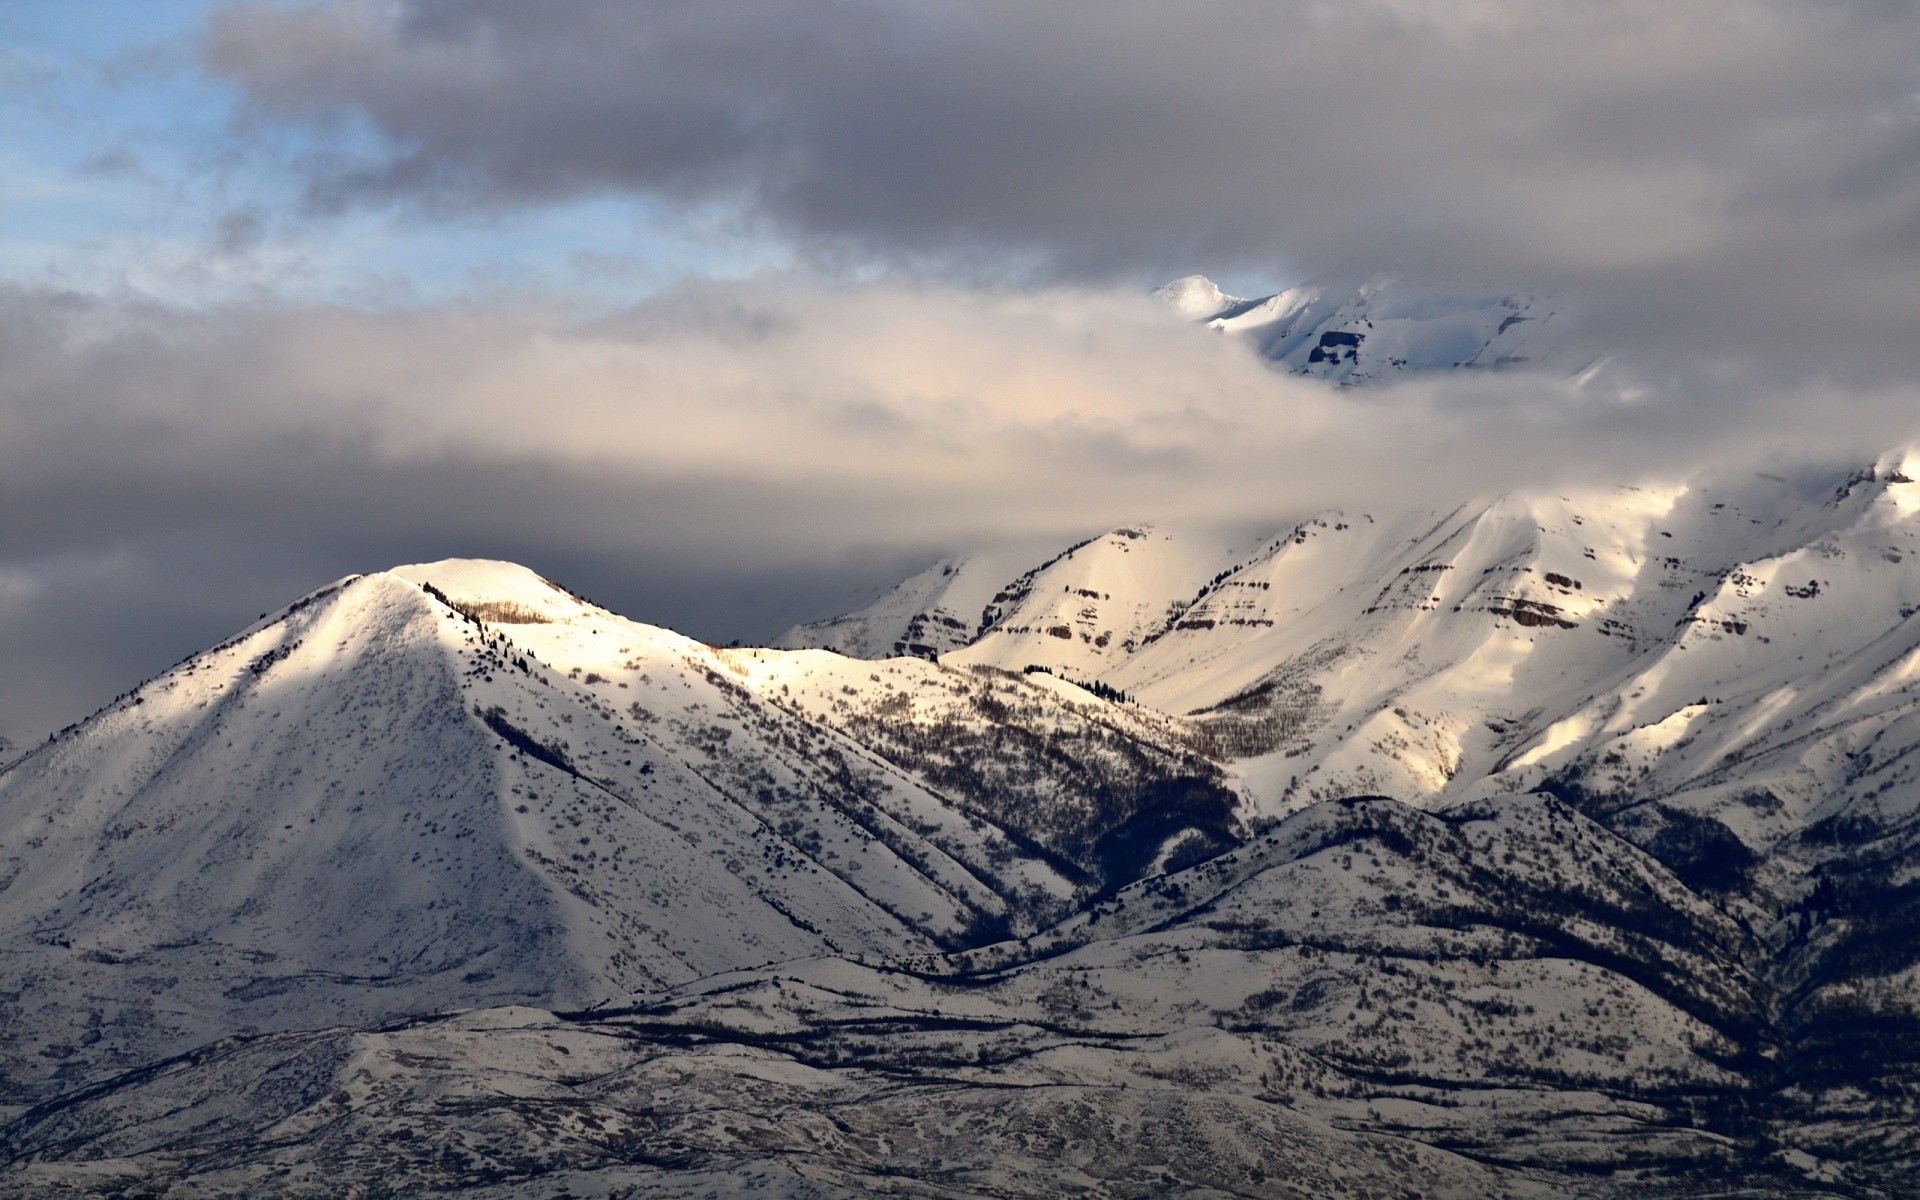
[(1196, 297)]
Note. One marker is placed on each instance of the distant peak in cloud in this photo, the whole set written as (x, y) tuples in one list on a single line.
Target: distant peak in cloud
[(1387, 327), (1195, 297), (1719, 179)]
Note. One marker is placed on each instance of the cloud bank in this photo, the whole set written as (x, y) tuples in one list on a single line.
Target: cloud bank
[(1726, 193), (724, 459), (1721, 179)]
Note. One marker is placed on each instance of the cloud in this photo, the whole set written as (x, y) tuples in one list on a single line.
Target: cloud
[(1721, 178), (1726, 192), (724, 459)]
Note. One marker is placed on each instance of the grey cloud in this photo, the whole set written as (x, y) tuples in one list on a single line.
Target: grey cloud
[(117, 162), (238, 231), (723, 459), (1755, 161)]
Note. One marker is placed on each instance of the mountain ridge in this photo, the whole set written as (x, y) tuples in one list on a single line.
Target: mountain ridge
[(1556, 843)]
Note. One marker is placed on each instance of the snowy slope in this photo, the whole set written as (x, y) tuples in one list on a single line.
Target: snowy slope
[(456, 783), (1196, 298), (1094, 604), (1517, 642), (1019, 604), (1722, 672), (927, 615), (1512, 642), (1366, 999), (1099, 793), (323, 820)]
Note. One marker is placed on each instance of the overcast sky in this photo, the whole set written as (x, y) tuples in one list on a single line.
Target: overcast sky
[(727, 312)]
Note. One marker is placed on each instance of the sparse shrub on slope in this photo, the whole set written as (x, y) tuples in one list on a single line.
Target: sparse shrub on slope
[(1095, 795)]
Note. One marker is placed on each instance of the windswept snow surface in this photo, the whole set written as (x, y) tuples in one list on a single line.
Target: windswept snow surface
[(1554, 844)]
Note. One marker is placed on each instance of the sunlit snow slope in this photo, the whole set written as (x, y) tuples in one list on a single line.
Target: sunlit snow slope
[(456, 783), (1728, 645)]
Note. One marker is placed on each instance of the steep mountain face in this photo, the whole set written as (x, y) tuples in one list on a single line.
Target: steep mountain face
[(456, 784), (1075, 611), (1384, 328), (1721, 674), (1685, 644), (1095, 604)]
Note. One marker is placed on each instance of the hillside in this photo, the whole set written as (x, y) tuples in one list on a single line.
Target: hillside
[(1506, 1000)]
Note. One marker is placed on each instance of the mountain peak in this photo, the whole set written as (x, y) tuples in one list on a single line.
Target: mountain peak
[(496, 591), (1195, 297), (1899, 465), (1588, 806)]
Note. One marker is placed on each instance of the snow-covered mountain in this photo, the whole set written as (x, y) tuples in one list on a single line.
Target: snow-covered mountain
[(1554, 844), (1386, 327), (1624, 641), (455, 783)]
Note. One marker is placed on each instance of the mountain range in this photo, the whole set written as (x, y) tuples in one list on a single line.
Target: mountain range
[(1558, 843)]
